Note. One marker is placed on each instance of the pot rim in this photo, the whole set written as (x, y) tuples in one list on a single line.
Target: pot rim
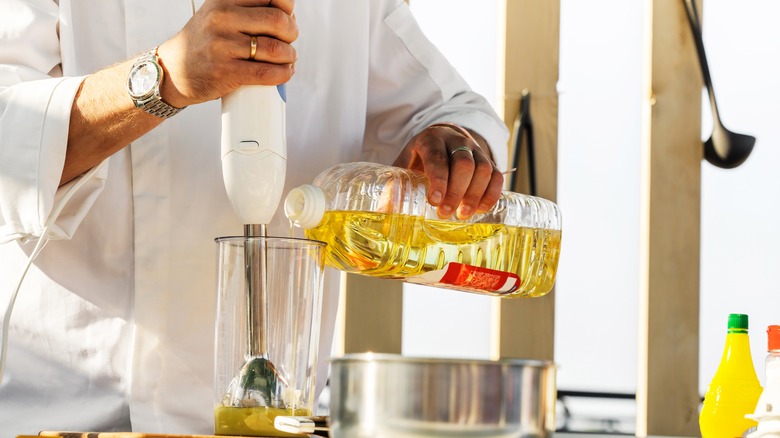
[(411, 360)]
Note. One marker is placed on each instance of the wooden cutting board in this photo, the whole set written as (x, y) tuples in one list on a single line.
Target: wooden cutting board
[(117, 435)]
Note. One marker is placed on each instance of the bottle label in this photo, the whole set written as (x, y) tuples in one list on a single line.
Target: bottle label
[(459, 275)]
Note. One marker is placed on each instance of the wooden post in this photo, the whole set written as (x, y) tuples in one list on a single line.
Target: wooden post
[(372, 314), (525, 326), (668, 374)]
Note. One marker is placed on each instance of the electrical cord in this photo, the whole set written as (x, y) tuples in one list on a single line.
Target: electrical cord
[(7, 318), (55, 213)]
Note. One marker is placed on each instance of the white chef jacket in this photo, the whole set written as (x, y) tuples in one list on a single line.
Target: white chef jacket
[(114, 325)]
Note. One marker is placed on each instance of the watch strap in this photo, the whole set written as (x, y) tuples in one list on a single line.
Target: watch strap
[(154, 104), (158, 107)]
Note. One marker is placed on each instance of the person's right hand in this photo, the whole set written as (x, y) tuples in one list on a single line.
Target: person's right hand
[(209, 57)]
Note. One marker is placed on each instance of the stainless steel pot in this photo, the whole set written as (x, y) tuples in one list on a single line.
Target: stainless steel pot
[(379, 396)]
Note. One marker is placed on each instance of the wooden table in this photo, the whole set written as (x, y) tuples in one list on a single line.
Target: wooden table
[(158, 435)]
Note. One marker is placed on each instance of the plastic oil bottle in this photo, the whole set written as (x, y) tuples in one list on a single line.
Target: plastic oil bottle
[(735, 389), (376, 221)]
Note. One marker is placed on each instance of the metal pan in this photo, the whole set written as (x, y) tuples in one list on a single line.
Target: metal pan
[(378, 396)]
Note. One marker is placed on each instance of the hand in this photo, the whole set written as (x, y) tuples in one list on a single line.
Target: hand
[(461, 173), (210, 56)]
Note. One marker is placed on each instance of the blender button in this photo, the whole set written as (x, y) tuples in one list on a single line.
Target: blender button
[(248, 146)]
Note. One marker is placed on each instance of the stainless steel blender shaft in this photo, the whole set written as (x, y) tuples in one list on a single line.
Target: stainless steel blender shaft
[(256, 260)]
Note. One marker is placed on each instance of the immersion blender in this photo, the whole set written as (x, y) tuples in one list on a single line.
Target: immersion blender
[(254, 163)]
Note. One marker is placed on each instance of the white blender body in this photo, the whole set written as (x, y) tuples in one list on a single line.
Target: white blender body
[(254, 150)]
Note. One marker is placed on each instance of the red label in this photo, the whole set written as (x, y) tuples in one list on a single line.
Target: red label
[(471, 277)]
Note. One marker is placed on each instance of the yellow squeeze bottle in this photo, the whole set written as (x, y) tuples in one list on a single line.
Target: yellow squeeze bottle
[(734, 390)]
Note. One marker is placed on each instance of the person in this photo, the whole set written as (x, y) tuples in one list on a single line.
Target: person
[(113, 326)]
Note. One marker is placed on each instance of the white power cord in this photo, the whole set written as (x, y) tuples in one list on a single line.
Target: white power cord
[(7, 318), (37, 250)]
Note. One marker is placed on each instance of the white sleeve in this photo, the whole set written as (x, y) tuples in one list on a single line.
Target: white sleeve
[(34, 119), (412, 85)]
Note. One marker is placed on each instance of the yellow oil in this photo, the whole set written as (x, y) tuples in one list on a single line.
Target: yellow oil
[(254, 421), (398, 246)]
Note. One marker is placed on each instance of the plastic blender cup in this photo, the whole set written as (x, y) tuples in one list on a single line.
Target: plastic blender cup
[(293, 284)]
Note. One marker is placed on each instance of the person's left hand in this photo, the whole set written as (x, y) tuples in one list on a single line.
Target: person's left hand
[(462, 176)]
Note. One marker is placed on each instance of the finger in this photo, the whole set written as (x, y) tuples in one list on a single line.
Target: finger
[(265, 21), (493, 191), (261, 73), (428, 153), (272, 65), (268, 50), (285, 5), (480, 179), (461, 165)]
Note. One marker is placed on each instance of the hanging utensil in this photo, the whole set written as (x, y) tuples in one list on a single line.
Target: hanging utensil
[(724, 149), (523, 127)]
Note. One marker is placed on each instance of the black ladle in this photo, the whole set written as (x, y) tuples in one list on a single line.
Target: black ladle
[(724, 149)]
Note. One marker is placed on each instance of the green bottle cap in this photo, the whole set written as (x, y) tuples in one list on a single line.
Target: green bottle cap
[(738, 323)]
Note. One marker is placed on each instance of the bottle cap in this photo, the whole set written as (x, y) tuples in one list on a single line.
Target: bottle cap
[(773, 337), (305, 205), (738, 323)]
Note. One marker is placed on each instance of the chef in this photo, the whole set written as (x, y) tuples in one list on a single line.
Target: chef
[(112, 329)]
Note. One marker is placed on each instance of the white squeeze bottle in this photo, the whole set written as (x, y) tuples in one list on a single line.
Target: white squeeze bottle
[(377, 221), (767, 412)]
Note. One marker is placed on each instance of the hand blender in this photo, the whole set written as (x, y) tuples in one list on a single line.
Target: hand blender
[(254, 161)]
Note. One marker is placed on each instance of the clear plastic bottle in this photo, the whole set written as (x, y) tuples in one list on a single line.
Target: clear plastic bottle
[(767, 412), (377, 221), (735, 389), (772, 361)]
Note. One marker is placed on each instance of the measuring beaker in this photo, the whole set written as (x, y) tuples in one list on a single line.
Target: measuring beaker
[(292, 277)]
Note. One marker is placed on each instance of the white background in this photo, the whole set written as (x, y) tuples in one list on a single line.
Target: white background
[(599, 177)]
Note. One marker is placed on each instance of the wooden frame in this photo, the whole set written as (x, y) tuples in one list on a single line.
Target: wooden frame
[(372, 314), (525, 327), (668, 363)]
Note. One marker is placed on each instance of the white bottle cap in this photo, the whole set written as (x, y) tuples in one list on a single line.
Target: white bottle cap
[(305, 206)]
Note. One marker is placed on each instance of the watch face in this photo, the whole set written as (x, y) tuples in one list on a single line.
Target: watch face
[(144, 77)]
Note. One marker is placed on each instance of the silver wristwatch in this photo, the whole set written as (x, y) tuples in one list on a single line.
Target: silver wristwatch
[(143, 86)]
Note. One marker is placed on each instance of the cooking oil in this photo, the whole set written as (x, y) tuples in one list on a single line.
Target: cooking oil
[(481, 257), (252, 421)]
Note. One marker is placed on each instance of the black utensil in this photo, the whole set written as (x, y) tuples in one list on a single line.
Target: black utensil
[(724, 149), (524, 127)]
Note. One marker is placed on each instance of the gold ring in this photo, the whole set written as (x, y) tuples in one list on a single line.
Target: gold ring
[(461, 148), (252, 47)]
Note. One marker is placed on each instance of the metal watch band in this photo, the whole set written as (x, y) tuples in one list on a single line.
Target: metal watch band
[(157, 107), (154, 105)]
